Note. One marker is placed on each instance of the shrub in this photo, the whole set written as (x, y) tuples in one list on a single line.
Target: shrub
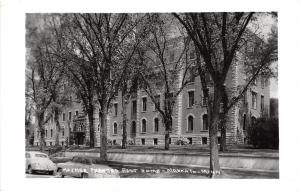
[(130, 142), (181, 141), (264, 133)]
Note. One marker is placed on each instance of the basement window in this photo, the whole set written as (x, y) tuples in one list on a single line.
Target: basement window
[(204, 140)]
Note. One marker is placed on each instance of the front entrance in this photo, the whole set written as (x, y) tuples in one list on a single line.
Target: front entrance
[(79, 138)]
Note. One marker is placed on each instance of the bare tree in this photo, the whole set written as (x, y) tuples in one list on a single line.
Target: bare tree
[(104, 43), (43, 74), (218, 38), (164, 68)]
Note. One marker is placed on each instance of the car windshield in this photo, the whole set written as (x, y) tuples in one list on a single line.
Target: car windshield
[(40, 155)]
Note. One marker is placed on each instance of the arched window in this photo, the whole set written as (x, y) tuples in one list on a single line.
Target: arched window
[(115, 128), (156, 124), (46, 133), (51, 132), (144, 126), (205, 122), (190, 123)]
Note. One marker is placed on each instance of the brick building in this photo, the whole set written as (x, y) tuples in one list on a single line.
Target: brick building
[(145, 126)]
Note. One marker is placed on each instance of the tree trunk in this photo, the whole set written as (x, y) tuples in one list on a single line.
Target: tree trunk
[(103, 133), (167, 134), (124, 134), (56, 119), (223, 146), (222, 127), (223, 120), (41, 130), (214, 116), (167, 137), (91, 126)]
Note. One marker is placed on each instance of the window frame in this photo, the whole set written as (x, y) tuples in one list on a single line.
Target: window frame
[(142, 125), (189, 99), (70, 116), (254, 100), (144, 103), (115, 128), (190, 124), (205, 124), (156, 128), (115, 109)]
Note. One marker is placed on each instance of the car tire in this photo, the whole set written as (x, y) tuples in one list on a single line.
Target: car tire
[(30, 170), (59, 173), (84, 175)]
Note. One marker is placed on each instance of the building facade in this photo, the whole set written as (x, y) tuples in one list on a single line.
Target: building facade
[(145, 125)]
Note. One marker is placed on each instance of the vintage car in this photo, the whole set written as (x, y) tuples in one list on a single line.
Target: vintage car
[(85, 167), (38, 162)]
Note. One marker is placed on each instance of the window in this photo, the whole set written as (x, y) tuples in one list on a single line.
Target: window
[(219, 140), (116, 109), (190, 123), (46, 133), (70, 115), (62, 143), (171, 57), (64, 116), (191, 98), (244, 122), (76, 113), (190, 139), (204, 140), (143, 141), (70, 98), (134, 107), (262, 103), (157, 101), (155, 141), (156, 125), (51, 132), (63, 132), (254, 100), (115, 128), (51, 142), (114, 142), (170, 140), (205, 122), (144, 100), (143, 125)]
